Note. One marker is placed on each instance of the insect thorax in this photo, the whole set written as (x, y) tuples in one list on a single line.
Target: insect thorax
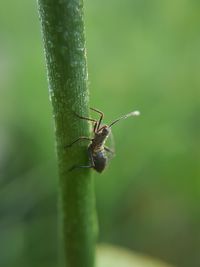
[(101, 137)]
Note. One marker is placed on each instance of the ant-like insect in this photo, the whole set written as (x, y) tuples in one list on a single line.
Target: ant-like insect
[(97, 148)]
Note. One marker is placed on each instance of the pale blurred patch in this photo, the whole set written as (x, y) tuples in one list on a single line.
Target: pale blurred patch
[(110, 256)]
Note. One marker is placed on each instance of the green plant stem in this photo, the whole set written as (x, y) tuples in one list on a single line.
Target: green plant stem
[(64, 46)]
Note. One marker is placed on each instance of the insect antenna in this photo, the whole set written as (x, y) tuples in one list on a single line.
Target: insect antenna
[(133, 113)]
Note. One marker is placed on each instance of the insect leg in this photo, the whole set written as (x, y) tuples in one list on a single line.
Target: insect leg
[(85, 166), (111, 153), (77, 167), (78, 139), (109, 150), (95, 126), (85, 118), (101, 117), (88, 119)]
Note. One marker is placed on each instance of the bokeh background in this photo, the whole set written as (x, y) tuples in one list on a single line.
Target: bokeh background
[(141, 55)]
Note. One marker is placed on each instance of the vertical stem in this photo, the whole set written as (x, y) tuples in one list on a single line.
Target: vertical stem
[(64, 46)]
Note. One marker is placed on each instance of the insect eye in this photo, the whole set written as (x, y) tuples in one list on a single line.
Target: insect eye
[(106, 130)]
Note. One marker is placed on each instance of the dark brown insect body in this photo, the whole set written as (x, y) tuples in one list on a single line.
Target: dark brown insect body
[(97, 149)]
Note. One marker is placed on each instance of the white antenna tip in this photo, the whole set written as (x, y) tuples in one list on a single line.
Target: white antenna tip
[(135, 113)]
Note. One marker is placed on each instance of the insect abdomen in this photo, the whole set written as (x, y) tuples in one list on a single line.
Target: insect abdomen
[(100, 161)]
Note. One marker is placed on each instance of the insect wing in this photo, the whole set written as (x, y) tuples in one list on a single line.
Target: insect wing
[(110, 146)]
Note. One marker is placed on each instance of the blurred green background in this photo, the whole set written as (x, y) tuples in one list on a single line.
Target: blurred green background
[(141, 55)]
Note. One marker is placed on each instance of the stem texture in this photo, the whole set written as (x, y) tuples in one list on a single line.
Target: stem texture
[(64, 46)]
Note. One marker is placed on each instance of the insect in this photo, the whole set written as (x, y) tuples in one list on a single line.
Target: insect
[(97, 149)]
